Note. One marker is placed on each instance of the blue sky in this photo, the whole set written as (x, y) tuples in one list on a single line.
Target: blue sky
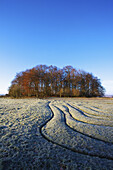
[(56, 32)]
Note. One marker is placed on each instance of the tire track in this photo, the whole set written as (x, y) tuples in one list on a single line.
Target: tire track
[(63, 146), (95, 112), (98, 122), (91, 136)]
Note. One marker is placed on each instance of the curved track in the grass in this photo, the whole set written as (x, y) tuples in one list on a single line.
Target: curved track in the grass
[(66, 147), (78, 131), (107, 123), (96, 113)]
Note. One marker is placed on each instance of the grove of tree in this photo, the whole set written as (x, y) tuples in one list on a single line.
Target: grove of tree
[(47, 81)]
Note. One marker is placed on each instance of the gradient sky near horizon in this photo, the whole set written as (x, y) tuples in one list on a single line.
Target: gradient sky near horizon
[(56, 32)]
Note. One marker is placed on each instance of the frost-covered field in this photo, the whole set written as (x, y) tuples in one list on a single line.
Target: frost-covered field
[(66, 133)]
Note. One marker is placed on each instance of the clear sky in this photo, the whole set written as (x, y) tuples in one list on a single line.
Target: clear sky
[(56, 32)]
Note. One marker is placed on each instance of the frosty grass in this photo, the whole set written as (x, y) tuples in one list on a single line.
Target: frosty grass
[(66, 133)]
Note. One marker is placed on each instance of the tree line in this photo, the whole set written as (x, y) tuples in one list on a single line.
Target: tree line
[(47, 81)]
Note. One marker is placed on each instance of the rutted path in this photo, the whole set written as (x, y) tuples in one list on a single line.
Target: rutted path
[(57, 130)]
